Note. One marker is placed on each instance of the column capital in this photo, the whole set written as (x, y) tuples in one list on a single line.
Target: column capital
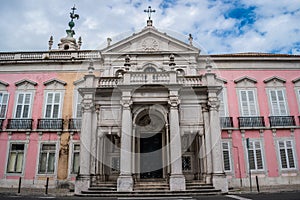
[(87, 106), (174, 101), (213, 104), (126, 103)]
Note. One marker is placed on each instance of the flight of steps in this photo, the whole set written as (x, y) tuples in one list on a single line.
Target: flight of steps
[(149, 189)]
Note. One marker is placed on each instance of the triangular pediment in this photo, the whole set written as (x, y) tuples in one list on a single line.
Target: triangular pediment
[(150, 40)]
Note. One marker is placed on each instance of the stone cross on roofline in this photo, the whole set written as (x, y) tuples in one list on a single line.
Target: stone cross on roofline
[(149, 11)]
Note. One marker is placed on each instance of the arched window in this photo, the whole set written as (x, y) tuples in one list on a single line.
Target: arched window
[(180, 72), (150, 69), (119, 72)]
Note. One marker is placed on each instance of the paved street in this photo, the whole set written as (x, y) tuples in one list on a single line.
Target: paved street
[(253, 196)]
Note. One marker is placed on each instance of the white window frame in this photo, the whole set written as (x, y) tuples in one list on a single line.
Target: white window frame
[(77, 102), (71, 167), (30, 105), (10, 143), (52, 104), (285, 140), (223, 102), (255, 103), (271, 105), (255, 156), (229, 155), (55, 161), (298, 96), (4, 103)]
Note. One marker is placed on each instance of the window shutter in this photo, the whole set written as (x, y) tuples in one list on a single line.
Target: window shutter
[(278, 103), (248, 103), (226, 156), (3, 104), (290, 154)]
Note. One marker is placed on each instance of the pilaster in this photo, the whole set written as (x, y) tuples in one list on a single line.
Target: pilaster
[(177, 179), (125, 180)]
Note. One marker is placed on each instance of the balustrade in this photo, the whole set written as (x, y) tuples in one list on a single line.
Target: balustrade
[(50, 124), (74, 124), (282, 121), (251, 122), (19, 124)]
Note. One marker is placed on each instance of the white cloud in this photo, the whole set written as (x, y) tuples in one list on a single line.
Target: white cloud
[(274, 29)]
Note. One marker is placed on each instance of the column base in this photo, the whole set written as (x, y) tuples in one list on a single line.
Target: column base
[(82, 183), (208, 178), (220, 182), (125, 183), (177, 183)]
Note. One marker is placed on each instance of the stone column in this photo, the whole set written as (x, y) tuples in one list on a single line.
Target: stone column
[(83, 180), (207, 142), (218, 175), (177, 180), (125, 180)]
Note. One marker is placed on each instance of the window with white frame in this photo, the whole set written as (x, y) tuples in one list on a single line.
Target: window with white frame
[(16, 158), (226, 156), (255, 157), (3, 104), (52, 105), (47, 159), (286, 153), (248, 104), (223, 111), (78, 112), (75, 159), (23, 105), (278, 102)]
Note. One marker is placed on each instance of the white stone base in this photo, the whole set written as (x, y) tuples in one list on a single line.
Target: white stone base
[(125, 184), (82, 183), (220, 182), (177, 183)]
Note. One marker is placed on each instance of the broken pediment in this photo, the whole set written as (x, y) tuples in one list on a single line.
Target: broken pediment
[(150, 40)]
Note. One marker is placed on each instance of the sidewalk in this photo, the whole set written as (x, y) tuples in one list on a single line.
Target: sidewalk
[(35, 192), (266, 189)]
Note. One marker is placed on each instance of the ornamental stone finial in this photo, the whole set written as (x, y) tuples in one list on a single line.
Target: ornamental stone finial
[(73, 16), (50, 43)]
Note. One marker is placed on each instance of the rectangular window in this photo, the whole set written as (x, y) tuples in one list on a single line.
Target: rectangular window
[(23, 105), (278, 103), (75, 158), (3, 104), (52, 105), (226, 156), (255, 159), (15, 158), (248, 103), (47, 159), (286, 154), (222, 108), (78, 113)]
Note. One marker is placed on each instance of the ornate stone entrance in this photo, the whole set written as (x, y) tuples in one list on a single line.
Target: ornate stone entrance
[(151, 156), (150, 139)]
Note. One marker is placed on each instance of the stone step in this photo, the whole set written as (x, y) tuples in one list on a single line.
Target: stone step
[(150, 193)]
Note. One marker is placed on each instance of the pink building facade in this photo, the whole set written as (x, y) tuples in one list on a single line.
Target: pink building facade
[(258, 105)]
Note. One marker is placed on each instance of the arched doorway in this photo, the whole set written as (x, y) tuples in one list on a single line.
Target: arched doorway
[(150, 149)]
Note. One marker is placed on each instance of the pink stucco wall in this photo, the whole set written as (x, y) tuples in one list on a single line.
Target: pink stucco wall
[(270, 154), (32, 146)]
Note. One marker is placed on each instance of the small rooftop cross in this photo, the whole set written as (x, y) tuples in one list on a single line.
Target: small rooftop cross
[(149, 11)]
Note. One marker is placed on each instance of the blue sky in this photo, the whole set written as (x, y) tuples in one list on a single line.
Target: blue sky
[(217, 26)]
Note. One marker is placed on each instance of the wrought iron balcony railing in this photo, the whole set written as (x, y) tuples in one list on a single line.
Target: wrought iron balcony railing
[(1, 123), (19, 124), (250, 122), (74, 124), (282, 121), (50, 124), (226, 122)]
